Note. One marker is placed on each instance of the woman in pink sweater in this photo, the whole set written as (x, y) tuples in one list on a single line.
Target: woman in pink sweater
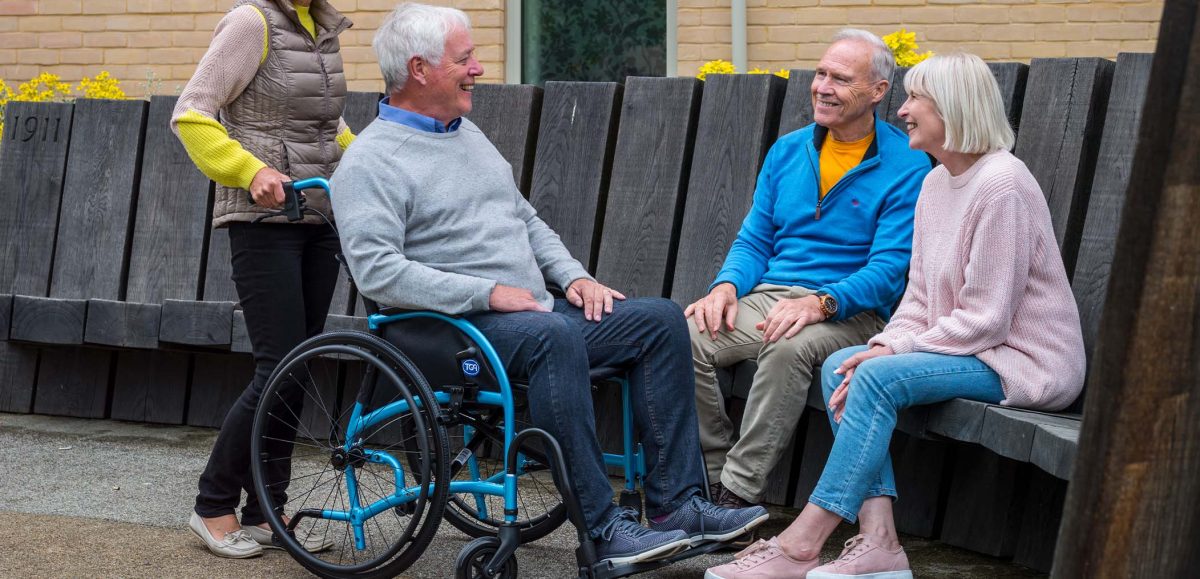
[(988, 315)]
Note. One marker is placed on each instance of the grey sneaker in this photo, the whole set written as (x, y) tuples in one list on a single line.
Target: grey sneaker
[(704, 522), (312, 542), (623, 540)]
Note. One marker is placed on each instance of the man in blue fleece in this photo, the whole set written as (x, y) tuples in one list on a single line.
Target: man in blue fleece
[(817, 266)]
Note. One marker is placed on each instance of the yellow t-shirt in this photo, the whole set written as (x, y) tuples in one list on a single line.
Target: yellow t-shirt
[(306, 20), (837, 158)]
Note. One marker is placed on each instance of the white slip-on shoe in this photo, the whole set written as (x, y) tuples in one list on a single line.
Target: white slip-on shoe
[(235, 545), (313, 543)]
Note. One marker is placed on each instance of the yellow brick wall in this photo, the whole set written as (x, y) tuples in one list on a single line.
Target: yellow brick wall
[(156, 44), (794, 33)]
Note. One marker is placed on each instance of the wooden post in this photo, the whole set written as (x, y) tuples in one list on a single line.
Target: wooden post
[(1133, 508)]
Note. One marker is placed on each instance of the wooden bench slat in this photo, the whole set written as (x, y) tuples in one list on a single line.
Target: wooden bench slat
[(33, 158), (48, 320), (1054, 448), (195, 323), (1009, 432), (1131, 79), (509, 114), (739, 117), (1061, 120), (122, 324), (570, 171), (797, 111), (646, 193), (1011, 77), (217, 381), (151, 386), (91, 250)]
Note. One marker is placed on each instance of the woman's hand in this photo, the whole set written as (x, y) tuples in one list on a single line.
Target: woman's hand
[(267, 188), (837, 402)]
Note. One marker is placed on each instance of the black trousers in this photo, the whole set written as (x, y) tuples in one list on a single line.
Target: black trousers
[(285, 276)]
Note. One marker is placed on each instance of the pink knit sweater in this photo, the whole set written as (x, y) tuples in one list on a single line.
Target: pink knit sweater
[(987, 279)]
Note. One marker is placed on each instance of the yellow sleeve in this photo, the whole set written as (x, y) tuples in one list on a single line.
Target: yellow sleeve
[(344, 138), (219, 157)]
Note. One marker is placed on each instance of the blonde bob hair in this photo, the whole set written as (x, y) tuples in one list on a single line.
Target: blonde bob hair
[(967, 98)]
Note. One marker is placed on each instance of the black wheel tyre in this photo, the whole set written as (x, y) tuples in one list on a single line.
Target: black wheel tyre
[(300, 463), (473, 560)]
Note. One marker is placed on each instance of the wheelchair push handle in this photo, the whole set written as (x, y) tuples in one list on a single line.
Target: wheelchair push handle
[(293, 197)]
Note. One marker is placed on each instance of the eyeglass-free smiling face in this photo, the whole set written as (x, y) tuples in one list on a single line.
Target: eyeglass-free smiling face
[(844, 90), (449, 84)]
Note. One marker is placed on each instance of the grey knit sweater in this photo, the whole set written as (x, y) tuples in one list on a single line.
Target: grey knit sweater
[(434, 221)]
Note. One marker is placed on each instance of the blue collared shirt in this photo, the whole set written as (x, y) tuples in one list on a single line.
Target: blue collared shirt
[(415, 120)]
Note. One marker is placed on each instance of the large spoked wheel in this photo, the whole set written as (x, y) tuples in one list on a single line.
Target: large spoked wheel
[(480, 456), (474, 557), (305, 469)]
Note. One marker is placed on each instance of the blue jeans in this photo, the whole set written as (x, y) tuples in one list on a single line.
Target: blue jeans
[(859, 467), (646, 336)]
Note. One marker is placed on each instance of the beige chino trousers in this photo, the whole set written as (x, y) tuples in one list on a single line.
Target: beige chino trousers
[(778, 392)]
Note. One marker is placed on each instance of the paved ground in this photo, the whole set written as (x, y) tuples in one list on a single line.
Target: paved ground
[(94, 498)]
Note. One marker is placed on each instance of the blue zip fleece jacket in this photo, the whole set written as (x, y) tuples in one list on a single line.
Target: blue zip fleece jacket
[(854, 244)]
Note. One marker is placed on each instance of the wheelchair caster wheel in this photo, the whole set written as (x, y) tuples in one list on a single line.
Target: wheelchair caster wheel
[(475, 556)]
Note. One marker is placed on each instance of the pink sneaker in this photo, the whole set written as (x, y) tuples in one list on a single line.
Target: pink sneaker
[(762, 560), (863, 559)]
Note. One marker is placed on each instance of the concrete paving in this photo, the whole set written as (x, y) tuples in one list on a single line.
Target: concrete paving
[(98, 498)]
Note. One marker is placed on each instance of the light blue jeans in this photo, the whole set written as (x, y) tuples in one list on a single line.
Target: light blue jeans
[(859, 467)]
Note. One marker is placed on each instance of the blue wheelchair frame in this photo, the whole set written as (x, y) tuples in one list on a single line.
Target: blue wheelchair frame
[(504, 483)]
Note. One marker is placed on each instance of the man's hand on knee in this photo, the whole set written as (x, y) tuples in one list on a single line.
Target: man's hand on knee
[(513, 299), (707, 312), (595, 299), (789, 316)]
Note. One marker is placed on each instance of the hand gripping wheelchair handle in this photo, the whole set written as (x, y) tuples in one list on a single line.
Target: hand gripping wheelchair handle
[(293, 198)]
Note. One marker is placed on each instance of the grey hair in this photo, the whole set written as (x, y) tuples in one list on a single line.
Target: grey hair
[(966, 96), (412, 30), (883, 63)]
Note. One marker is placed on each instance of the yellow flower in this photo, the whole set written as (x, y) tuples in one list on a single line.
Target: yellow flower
[(904, 47), (716, 67), (103, 86), (783, 73), (757, 70)]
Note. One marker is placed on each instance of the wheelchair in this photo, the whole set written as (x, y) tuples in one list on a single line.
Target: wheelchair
[(362, 443)]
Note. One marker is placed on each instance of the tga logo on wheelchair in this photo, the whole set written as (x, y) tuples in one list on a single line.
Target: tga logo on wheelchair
[(351, 447)]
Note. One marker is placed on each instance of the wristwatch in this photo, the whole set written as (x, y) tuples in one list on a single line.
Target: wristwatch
[(829, 305)]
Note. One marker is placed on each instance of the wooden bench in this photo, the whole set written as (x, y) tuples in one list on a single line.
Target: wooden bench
[(647, 182)]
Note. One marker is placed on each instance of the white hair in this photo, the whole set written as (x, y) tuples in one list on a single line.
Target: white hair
[(883, 62), (965, 94), (414, 30)]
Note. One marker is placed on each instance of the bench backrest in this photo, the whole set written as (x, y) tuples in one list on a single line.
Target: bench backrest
[(509, 115), (1110, 187), (1061, 121), (648, 184), (171, 225), (575, 143), (33, 161), (739, 118)]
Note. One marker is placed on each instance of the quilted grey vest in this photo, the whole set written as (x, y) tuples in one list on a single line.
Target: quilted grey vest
[(288, 115)]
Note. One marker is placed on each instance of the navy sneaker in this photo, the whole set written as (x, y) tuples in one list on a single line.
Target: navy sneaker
[(705, 522), (623, 540)]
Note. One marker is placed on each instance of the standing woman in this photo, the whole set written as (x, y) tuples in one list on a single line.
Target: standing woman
[(988, 315), (274, 73)]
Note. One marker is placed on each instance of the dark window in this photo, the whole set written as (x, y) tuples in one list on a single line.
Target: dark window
[(592, 40)]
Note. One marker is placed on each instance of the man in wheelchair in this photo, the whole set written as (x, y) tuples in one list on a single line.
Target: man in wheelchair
[(431, 219)]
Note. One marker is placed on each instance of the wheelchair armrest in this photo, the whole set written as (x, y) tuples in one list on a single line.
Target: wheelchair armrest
[(393, 311)]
